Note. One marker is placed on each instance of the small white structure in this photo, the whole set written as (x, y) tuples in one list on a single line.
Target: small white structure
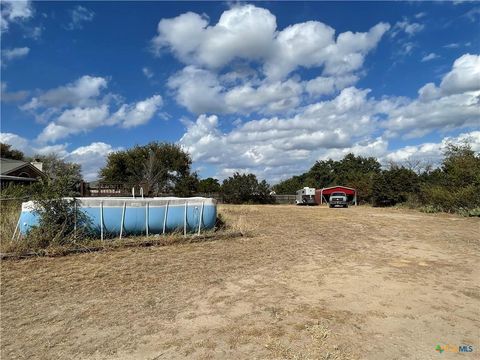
[(305, 196)]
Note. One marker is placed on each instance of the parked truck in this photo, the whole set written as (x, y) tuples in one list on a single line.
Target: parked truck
[(338, 199)]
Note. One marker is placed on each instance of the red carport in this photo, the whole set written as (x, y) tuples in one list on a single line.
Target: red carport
[(323, 195)]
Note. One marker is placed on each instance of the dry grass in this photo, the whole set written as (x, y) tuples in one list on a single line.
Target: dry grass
[(306, 283), (9, 213)]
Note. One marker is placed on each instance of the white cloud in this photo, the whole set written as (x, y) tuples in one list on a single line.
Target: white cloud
[(452, 46), (329, 85), (265, 145), (82, 92), (30, 148), (432, 152), (241, 32), (312, 44), (79, 16), (16, 141), (464, 77), (84, 119), (91, 158), (350, 122), (429, 57), (258, 59), (420, 117), (14, 96), (266, 98), (140, 113), (455, 103), (147, 72), (81, 106), (409, 28), (201, 91), (14, 11), (248, 32), (73, 121), (198, 90), (15, 53)]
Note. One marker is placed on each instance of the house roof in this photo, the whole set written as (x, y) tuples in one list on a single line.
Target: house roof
[(16, 178), (7, 166)]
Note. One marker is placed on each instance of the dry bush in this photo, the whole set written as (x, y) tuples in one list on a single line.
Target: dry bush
[(9, 214)]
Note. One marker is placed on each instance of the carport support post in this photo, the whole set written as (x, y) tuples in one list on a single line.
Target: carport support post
[(355, 198), (321, 196)]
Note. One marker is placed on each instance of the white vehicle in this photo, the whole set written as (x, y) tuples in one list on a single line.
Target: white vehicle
[(338, 199), (305, 196)]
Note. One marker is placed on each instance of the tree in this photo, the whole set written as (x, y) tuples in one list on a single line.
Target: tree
[(56, 168), (245, 188), (455, 186), (394, 186), (209, 186), (289, 186), (7, 152), (157, 167), (461, 165), (186, 185)]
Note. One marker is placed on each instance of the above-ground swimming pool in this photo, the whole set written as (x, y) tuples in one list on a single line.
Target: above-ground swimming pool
[(137, 216)]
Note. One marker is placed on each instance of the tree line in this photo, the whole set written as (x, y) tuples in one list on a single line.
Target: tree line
[(161, 168), (454, 186)]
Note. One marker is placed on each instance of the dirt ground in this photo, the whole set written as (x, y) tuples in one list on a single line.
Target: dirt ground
[(307, 283)]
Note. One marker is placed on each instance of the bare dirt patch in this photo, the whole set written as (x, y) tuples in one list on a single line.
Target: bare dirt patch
[(309, 283)]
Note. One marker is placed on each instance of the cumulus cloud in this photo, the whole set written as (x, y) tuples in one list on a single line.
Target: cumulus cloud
[(245, 32), (81, 92), (78, 16), (312, 44), (256, 144), (455, 103), (13, 11), (352, 121), (250, 33), (82, 105), (464, 77), (91, 158), (73, 121), (131, 115), (322, 85), (83, 119), (259, 60), (198, 90), (432, 152)]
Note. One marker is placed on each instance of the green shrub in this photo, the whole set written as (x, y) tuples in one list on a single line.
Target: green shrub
[(60, 223), (430, 209), (245, 189), (450, 199)]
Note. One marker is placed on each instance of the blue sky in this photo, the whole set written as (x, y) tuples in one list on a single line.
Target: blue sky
[(265, 87)]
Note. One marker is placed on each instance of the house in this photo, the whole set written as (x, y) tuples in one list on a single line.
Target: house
[(19, 172)]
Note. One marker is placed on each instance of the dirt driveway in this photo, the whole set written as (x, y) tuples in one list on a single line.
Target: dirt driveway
[(309, 283)]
